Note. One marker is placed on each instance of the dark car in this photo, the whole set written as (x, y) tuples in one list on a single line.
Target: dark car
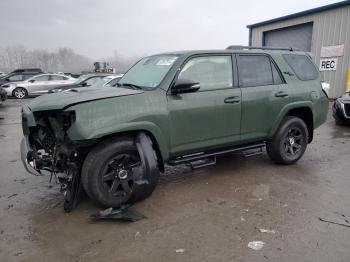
[(3, 95), (16, 77), (341, 109), (82, 81), (28, 70)]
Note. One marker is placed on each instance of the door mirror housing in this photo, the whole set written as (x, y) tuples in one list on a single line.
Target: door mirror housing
[(84, 84), (32, 81), (183, 86)]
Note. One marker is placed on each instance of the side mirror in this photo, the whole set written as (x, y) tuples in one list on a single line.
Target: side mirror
[(32, 81), (185, 86), (84, 84)]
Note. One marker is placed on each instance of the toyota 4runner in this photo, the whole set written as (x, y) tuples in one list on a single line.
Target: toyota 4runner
[(174, 108)]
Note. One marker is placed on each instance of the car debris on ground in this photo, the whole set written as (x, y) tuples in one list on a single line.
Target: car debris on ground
[(123, 214), (256, 245)]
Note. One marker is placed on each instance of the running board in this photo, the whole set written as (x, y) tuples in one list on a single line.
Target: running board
[(247, 151)]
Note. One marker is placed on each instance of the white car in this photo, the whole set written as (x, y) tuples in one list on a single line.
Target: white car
[(36, 85)]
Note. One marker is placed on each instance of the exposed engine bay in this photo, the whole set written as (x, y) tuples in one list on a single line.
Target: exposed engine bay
[(55, 153)]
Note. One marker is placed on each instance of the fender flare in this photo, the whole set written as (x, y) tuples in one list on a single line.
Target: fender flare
[(284, 112)]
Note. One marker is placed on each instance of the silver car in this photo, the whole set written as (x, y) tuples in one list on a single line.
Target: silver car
[(36, 85)]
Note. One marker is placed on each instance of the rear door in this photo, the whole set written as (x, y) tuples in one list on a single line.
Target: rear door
[(212, 115), (264, 94)]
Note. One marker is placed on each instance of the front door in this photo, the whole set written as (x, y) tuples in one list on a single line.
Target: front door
[(212, 115), (264, 94), (38, 85)]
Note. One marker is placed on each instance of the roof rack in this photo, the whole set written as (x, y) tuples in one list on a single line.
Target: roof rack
[(240, 47)]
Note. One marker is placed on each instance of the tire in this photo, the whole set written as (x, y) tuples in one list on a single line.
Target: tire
[(289, 143), (20, 93), (112, 174)]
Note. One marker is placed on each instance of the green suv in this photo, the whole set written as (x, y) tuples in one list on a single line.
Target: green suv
[(173, 108)]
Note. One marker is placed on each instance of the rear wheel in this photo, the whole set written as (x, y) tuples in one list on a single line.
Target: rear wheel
[(289, 143), (20, 93), (113, 174)]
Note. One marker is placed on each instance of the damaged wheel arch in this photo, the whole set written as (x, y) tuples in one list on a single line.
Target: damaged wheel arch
[(121, 170)]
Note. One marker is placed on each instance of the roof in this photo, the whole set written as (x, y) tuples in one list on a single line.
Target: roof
[(303, 13)]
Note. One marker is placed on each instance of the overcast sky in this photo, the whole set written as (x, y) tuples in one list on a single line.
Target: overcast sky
[(97, 28)]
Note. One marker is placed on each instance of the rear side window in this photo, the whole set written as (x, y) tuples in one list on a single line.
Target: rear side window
[(302, 67), (257, 70), (56, 77)]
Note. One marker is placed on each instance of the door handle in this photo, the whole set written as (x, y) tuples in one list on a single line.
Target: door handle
[(281, 94), (232, 100)]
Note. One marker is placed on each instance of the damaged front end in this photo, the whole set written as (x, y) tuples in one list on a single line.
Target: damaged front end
[(47, 149)]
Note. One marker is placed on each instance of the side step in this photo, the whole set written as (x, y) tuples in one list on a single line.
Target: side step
[(247, 150)]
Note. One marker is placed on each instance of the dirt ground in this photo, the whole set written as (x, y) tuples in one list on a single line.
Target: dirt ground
[(210, 214)]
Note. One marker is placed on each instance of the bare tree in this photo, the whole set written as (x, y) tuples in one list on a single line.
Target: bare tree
[(61, 60)]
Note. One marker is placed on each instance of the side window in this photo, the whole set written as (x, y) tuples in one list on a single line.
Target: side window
[(42, 78), (302, 66), (57, 78), (276, 76), (25, 77), (255, 70), (212, 72)]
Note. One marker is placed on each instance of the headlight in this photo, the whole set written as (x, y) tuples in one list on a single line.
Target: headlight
[(6, 85)]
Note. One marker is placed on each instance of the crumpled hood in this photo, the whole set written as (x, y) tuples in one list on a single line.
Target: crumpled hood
[(75, 96)]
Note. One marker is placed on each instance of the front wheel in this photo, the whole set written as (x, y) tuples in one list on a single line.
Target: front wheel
[(289, 143), (114, 173), (20, 93)]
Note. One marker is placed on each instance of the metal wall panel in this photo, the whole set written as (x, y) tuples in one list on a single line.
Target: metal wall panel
[(298, 36), (331, 27)]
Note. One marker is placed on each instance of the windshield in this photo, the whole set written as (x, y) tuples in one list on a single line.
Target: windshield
[(149, 71)]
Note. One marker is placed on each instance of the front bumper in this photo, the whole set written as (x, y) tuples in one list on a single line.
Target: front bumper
[(27, 158), (9, 89), (3, 96), (339, 111)]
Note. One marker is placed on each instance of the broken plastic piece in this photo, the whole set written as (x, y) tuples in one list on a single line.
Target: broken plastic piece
[(267, 231), (256, 245), (123, 214)]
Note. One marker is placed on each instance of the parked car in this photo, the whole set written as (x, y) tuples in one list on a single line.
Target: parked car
[(341, 109), (82, 81), (175, 108), (36, 85), (16, 77), (28, 70), (3, 95), (107, 81), (113, 81)]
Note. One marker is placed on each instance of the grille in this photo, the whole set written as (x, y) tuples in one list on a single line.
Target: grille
[(347, 110)]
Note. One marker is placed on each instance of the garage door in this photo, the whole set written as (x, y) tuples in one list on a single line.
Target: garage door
[(299, 36)]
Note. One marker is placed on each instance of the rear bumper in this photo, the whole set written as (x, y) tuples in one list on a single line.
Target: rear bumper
[(27, 158)]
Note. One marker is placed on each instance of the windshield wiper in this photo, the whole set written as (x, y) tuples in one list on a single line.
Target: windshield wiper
[(130, 85)]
